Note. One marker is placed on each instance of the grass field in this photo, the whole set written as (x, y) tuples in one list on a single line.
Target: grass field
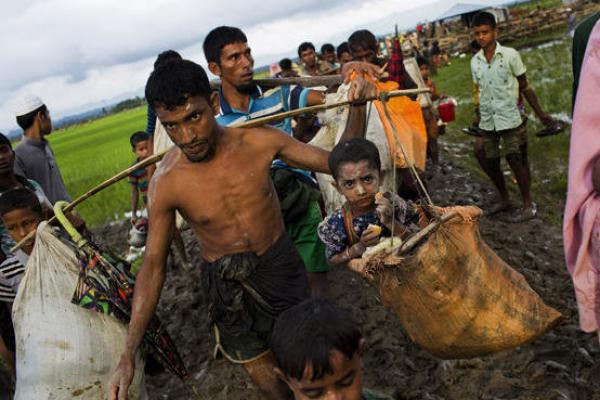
[(88, 154), (549, 74)]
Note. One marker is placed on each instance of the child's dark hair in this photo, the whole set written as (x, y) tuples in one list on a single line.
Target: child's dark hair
[(327, 48), (285, 63), (362, 39), (307, 333), (421, 61), (16, 199), (4, 141), (172, 83), (26, 121), (137, 137), (342, 48), (305, 46), (220, 37), (354, 150), (484, 18)]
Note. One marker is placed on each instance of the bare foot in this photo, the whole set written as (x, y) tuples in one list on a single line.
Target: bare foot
[(526, 214), (498, 208)]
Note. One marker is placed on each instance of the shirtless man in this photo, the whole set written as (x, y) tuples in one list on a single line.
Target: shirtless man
[(218, 179)]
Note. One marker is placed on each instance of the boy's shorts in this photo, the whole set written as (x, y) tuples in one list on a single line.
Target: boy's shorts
[(513, 141), (303, 233)]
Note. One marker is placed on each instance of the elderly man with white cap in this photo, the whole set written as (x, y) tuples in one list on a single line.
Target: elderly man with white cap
[(34, 157)]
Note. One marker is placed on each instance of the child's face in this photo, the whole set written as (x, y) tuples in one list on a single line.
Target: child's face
[(424, 71), (358, 183), (7, 159), (19, 223), (345, 383), (142, 149)]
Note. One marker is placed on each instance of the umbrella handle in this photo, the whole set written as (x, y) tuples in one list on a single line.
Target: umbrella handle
[(64, 221)]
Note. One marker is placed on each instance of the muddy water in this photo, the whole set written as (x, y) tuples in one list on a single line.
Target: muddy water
[(563, 364)]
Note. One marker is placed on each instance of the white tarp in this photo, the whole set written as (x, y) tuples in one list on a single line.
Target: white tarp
[(63, 351)]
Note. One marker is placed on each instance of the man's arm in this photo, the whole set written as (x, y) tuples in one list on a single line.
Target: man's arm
[(356, 125), (290, 150), (149, 283), (529, 94)]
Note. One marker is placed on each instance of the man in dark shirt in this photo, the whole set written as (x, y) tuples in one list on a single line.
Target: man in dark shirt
[(34, 157)]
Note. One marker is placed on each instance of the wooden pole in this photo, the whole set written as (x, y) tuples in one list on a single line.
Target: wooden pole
[(246, 124), (306, 81)]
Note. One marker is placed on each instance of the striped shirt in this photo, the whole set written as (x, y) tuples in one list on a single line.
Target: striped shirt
[(262, 104), (11, 273), (139, 179)]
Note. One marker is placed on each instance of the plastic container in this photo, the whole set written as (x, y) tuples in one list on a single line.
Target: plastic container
[(446, 110)]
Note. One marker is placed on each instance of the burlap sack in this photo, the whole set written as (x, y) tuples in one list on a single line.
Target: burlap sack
[(457, 299)]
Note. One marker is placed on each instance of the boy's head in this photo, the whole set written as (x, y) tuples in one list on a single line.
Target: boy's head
[(423, 67), (21, 213), (343, 53), (317, 349), (307, 54), (328, 53), (356, 169), (7, 156), (285, 64), (140, 144), (484, 29), (364, 46)]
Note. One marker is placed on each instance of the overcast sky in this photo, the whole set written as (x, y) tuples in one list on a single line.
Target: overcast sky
[(78, 54)]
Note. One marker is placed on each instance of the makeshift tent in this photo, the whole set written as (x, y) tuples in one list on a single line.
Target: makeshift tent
[(466, 11)]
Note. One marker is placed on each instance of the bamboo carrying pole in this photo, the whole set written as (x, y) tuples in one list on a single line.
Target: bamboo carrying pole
[(306, 81), (246, 124)]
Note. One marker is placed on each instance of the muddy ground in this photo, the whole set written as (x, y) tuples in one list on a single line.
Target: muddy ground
[(563, 364)]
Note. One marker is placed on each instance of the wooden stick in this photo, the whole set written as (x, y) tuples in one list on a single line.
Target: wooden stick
[(321, 107), (306, 81), (417, 237), (246, 124)]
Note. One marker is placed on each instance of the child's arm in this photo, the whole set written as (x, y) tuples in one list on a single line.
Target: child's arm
[(134, 203), (532, 99), (368, 238), (385, 213)]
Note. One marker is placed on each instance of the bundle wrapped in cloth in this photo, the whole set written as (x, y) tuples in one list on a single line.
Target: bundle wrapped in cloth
[(453, 295)]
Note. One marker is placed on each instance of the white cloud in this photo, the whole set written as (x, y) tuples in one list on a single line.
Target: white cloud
[(74, 53)]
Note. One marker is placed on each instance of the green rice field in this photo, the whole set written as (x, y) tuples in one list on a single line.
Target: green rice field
[(88, 154)]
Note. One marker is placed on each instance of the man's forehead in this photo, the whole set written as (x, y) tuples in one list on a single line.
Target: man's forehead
[(234, 48), (191, 103)]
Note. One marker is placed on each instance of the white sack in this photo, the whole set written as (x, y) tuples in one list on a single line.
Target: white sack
[(63, 351)]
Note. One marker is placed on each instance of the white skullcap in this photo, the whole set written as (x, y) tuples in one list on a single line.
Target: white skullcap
[(27, 104)]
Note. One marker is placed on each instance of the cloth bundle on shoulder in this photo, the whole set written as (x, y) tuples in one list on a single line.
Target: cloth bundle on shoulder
[(456, 298), (63, 350)]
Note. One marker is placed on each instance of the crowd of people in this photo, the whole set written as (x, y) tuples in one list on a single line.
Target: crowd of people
[(251, 197)]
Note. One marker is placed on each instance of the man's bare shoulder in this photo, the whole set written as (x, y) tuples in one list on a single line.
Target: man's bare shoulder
[(168, 165), (261, 136)]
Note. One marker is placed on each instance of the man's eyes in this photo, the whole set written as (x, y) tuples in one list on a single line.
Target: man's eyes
[(313, 394)]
